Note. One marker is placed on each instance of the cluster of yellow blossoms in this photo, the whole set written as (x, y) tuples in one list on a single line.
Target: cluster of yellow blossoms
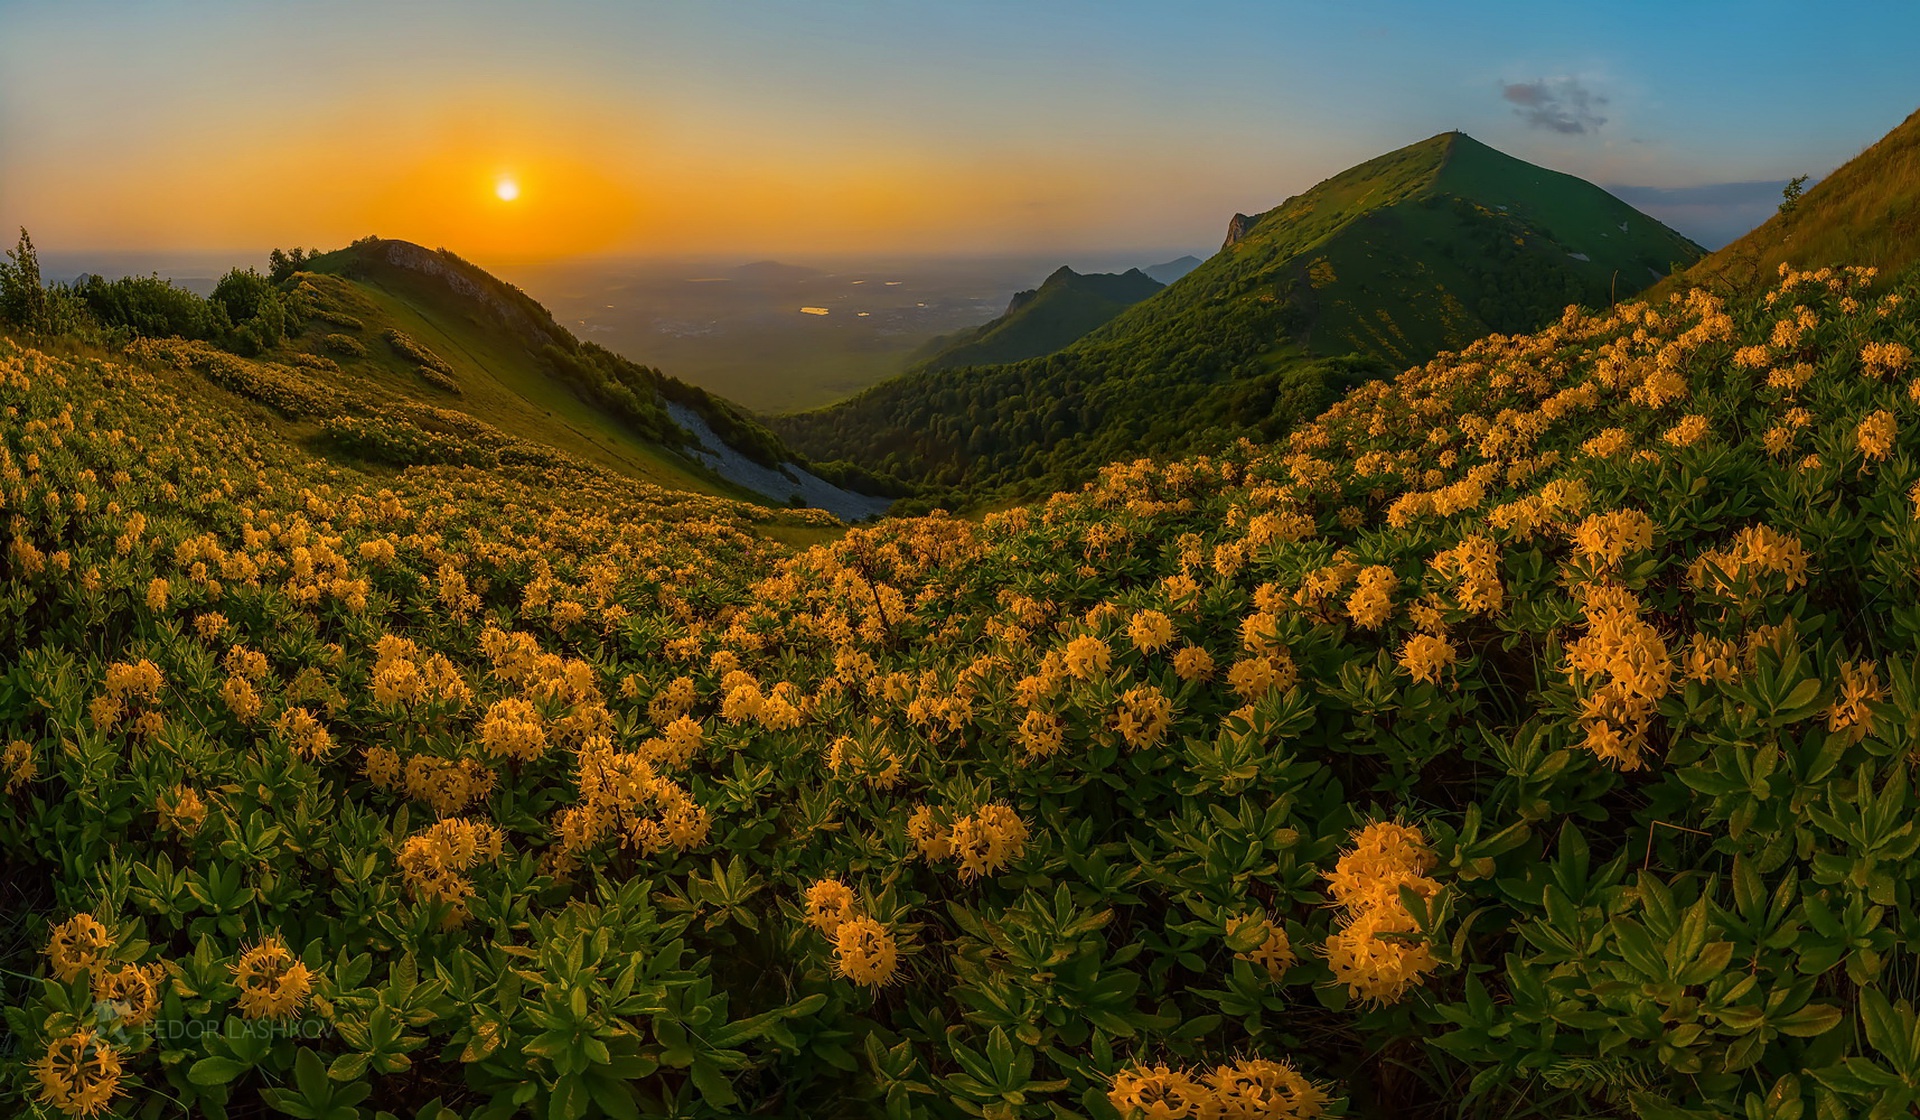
[(435, 862), (1609, 538), (131, 687), (1859, 687), (1377, 952), (1740, 570), (402, 678), (17, 761), (1629, 659), (80, 1074), (1249, 1089), (984, 841), (273, 982), (622, 794), (864, 950), (1267, 941)]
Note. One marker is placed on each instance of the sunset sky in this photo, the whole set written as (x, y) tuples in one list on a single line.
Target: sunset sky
[(769, 127)]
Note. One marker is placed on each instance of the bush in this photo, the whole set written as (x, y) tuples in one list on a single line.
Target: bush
[(149, 307), (433, 368)]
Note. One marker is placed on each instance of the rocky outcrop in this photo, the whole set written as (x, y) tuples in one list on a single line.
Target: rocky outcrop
[(1240, 225), (416, 258), (789, 482)]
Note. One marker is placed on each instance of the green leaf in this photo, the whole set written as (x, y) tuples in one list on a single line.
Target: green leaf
[(215, 1071), (1811, 1020), (714, 1087)]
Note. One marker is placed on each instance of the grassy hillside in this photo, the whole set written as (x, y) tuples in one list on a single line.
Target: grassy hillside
[(1066, 307), (497, 368), (1867, 212), (1530, 735), (1420, 250), (539, 357), (391, 348)]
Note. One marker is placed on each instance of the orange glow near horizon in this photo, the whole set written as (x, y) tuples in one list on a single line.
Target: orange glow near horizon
[(709, 130), (506, 177), (531, 174)]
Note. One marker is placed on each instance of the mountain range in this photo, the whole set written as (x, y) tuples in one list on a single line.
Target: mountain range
[(1380, 267), (1064, 308)]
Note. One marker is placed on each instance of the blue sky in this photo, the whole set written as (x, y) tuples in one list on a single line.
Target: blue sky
[(776, 126)]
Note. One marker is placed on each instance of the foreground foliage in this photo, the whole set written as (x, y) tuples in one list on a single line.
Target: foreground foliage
[(1529, 735)]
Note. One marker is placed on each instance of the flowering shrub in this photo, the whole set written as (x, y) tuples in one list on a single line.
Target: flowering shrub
[(1530, 732)]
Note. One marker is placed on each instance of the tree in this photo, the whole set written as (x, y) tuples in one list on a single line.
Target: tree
[(1790, 195), (23, 298), (259, 319), (281, 264)]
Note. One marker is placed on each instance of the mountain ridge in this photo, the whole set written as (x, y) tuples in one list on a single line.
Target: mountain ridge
[(1417, 251), (1038, 321)]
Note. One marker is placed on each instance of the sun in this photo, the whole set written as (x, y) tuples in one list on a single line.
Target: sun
[(507, 189)]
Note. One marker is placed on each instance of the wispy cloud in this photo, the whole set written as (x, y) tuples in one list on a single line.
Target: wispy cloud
[(1559, 105)]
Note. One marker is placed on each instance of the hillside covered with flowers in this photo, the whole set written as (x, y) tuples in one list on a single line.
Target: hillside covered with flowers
[(1530, 735)]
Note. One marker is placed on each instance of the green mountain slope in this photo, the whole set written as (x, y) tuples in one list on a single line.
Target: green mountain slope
[(405, 355), (494, 354), (1866, 213), (1417, 251), (1062, 310)]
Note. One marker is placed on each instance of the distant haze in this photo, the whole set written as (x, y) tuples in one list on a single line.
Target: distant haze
[(1713, 214)]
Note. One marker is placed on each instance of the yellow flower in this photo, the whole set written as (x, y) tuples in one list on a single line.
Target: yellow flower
[(1144, 717), (1193, 663), (1370, 952), (1425, 655), (1882, 358), (1689, 431), (1274, 951), (1875, 434), (1608, 444), (79, 1075), (131, 990), (1040, 733), (76, 944), (1376, 966), (987, 840), (935, 842), (157, 594), (830, 904), (1159, 1093), (1259, 1089), (1088, 657), (305, 734), (273, 984), (513, 728), (241, 699), (182, 810), (1371, 603), (1150, 631), (1712, 659), (1612, 537), (864, 952), (1859, 687), (381, 766), (19, 763)]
